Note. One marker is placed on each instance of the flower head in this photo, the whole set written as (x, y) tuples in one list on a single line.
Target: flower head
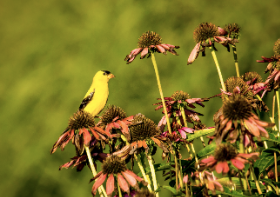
[(276, 47), (236, 113), (205, 35), (233, 30), (225, 153), (78, 130), (176, 103), (113, 167), (115, 117), (150, 42)]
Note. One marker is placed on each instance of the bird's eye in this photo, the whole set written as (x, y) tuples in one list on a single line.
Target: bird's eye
[(104, 73)]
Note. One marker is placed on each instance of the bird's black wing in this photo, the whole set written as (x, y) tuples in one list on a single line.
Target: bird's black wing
[(86, 101)]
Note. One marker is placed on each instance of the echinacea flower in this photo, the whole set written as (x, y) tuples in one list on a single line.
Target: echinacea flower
[(225, 153), (205, 35), (115, 118), (211, 182), (179, 101), (78, 130), (115, 169), (150, 42), (236, 113)]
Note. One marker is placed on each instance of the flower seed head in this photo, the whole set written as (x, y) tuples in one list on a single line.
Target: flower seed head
[(237, 107), (205, 31), (233, 30), (112, 112), (249, 76), (180, 96), (81, 119), (145, 193), (225, 152), (113, 165), (143, 128), (149, 38), (233, 82), (276, 47)]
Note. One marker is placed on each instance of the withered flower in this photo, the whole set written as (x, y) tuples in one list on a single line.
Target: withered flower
[(113, 167), (79, 127), (150, 42), (205, 35), (81, 161), (236, 114), (176, 103), (225, 153)]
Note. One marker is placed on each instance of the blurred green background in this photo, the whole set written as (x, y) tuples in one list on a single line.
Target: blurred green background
[(50, 51)]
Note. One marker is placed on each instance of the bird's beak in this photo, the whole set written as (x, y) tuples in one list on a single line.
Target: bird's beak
[(110, 76)]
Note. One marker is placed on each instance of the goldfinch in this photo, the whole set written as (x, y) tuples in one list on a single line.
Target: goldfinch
[(97, 95)]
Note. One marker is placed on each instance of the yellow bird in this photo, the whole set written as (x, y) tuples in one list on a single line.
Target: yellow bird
[(97, 95)]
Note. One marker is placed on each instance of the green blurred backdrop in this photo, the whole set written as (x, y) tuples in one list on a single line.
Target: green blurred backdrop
[(50, 51)]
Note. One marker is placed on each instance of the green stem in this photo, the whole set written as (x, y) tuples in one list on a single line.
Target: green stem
[(119, 190), (278, 109), (160, 92), (176, 170), (235, 60), (275, 164), (241, 182), (153, 173), (146, 177), (255, 179), (218, 67), (241, 142), (272, 118), (101, 189)]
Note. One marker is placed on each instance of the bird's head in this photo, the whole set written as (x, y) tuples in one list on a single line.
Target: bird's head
[(103, 75)]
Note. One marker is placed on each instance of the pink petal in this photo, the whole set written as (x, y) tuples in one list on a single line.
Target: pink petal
[(130, 179), (122, 183), (110, 185), (98, 182), (252, 128), (185, 179), (144, 52), (253, 156), (183, 133), (207, 160), (160, 49), (194, 53), (222, 167), (238, 164)]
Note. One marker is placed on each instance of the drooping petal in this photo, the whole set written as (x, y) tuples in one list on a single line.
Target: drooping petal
[(110, 184), (253, 156), (161, 49), (122, 183), (98, 182), (238, 164), (194, 53), (130, 179), (139, 179), (144, 52), (252, 128), (222, 166), (209, 159), (96, 136), (86, 136)]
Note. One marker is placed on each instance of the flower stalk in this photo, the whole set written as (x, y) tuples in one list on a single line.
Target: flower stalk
[(145, 176), (160, 92), (101, 189), (218, 67), (235, 60), (153, 173)]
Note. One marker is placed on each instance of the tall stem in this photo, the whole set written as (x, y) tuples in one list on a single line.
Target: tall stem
[(160, 92), (119, 190), (278, 109), (218, 68), (255, 179), (153, 172), (101, 189), (146, 177), (235, 60)]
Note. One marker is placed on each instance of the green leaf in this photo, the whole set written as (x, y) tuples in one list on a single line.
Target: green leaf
[(271, 194), (173, 190), (272, 138), (229, 192), (272, 150), (208, 150), (270, 183), (199, 133), (266, 160)]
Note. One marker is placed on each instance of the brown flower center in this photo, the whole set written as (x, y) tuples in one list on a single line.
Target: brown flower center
[(81, 119), (143, 128), (180, 96), (237, 107), (233, 30), (149, 38), (232, 82), (112, 112), (249, 76), (225, 152), (113, 165), (205, 31), (144, 193)]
